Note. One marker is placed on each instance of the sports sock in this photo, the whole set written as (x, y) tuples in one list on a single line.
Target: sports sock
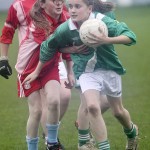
[(104, 145), (32, 143), (131, 133), (83, 136), (52, 133)]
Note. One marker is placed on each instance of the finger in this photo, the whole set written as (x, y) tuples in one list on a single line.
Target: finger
[(100, 30), (67, 85), (26, 80)]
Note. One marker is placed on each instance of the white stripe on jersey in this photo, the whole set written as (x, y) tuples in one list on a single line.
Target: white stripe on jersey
[(21, 94)]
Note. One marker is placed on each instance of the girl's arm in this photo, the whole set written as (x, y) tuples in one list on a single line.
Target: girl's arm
[(31, 77), (100, 40), (70, 75), (4, 49)]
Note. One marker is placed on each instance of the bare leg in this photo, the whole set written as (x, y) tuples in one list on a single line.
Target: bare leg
[(35, 112), (83, 118), (44, 112), (104, 104), (120, 112), (97, 123), (65, 96)]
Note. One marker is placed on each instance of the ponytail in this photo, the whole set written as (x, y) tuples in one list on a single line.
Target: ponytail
[(103, 7), (99, 6)]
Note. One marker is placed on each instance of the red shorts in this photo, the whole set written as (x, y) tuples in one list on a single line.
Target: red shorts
[(49, 72)]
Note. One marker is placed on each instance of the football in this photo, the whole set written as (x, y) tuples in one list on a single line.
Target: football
[(92, 25)]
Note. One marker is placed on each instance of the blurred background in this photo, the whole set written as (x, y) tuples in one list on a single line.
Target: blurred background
[(122, 3)]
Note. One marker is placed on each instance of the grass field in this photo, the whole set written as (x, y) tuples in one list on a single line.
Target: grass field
[(136, 93)]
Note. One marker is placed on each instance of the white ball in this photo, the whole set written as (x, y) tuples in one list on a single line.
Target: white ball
[(92, 25)]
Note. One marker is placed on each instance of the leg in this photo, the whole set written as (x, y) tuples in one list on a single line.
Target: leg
[(83, 118), (85, 138), (52, 90), (91, 91), (104, 104), (97, 123), (82, 111), (119, 111), (124, 118), (34, 103), (44, 112), (65, 96), (35, 112)]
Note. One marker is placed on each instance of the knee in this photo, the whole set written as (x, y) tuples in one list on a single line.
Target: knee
[(53, 103), (65, 98), (36, 113), (93, 110), (84, 111)]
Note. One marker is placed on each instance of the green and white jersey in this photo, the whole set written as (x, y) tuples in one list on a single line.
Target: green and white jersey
[(103, 57)]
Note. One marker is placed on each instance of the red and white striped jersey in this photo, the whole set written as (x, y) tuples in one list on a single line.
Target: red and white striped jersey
[(29, 37), (34, 38), (17, 18)]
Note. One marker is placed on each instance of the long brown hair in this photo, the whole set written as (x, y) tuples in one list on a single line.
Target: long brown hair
[(38, 18)]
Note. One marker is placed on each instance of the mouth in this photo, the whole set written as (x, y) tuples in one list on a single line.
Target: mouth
[(58, 9), (73, 16)]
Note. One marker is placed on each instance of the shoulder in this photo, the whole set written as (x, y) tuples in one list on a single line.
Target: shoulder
[(111, 14), (99, 15), (24, 5), (63, 28)]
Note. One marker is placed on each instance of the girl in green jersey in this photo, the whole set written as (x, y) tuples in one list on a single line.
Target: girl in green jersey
[(99, 71)]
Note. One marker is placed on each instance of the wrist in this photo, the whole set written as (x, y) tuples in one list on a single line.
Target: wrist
[(3, 57)]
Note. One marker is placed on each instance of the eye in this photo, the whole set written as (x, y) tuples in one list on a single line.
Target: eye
[(70, 6), (77, 6)]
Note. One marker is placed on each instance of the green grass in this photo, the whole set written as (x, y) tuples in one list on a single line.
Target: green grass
[(136, 93)]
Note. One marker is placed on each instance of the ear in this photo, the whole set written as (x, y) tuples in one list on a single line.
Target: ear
[(90, 8)]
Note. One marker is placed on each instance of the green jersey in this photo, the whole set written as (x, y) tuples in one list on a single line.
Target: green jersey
[(101, 57), (110, 14)]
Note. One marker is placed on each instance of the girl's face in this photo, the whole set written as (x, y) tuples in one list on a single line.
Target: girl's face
[(53, 7), (78, 10)]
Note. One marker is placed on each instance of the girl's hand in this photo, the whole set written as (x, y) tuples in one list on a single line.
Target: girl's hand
[(96, 39), (71, 81), (31, 77)]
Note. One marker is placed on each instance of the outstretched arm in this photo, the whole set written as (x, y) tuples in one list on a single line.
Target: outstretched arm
[(70, 75), (31, 77)]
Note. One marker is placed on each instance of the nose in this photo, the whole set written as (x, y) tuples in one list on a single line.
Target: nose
[(72, 9)]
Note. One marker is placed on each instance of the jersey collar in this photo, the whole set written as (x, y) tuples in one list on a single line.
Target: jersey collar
[(73, 26)]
